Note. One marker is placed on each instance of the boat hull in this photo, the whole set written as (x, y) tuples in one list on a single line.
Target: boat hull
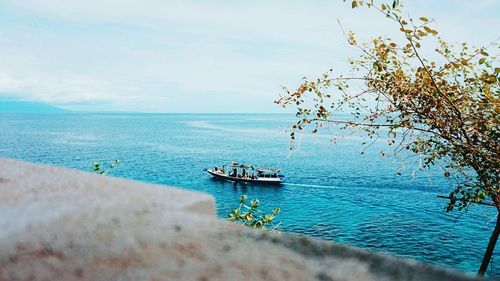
[(261, 180)]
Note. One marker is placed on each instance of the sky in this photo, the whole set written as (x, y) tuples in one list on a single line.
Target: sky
[(195, 56)]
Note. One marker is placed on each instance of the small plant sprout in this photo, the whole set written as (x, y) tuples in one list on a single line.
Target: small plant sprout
[(251, 216), (98, 168)]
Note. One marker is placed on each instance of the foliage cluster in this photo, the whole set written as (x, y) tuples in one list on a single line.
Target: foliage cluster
[(99, 168), (445, 110), (251, 216)]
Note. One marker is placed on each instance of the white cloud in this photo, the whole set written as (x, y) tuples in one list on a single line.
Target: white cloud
[(60, 89)]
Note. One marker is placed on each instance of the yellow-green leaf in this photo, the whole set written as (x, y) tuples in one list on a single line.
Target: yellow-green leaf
[(492, 79), (481, 61), (424, 19)]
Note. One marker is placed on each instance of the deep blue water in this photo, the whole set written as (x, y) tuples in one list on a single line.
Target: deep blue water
[(331, 192)]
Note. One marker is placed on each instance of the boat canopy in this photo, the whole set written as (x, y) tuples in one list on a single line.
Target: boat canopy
[(240, 166), (268, 170), (236, 165)]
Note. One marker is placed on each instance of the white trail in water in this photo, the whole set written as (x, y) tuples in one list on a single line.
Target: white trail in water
[(312, 185)]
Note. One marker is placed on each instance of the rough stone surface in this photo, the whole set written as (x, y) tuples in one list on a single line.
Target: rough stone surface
[(60, 224)]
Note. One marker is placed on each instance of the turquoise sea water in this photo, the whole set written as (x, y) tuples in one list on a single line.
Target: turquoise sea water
[(331, 192)]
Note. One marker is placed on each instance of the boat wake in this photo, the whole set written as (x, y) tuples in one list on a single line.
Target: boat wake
[(312, 185)]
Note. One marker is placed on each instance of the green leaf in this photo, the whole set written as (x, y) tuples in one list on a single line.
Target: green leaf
[(255, 203), (492, 79)]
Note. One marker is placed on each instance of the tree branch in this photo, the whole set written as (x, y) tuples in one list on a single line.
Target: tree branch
[(464, 200)]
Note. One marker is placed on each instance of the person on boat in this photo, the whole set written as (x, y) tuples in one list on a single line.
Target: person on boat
[(223, 170)]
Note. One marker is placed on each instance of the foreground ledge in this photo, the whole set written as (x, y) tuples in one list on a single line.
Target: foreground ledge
[(61, 224)]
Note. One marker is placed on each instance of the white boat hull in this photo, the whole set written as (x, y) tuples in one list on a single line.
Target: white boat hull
[(257, 180)]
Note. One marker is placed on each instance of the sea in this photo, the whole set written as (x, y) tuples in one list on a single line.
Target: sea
[(345, 190)]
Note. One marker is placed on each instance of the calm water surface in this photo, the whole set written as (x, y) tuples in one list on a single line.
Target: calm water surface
[(331, 192)]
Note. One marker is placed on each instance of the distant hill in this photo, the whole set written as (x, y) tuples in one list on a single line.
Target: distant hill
[(27, 107)]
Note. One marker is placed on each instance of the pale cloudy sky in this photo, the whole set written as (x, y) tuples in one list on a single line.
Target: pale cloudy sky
[(193, 55)]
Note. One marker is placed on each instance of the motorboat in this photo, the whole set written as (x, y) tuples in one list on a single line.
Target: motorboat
[(248, 174)]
